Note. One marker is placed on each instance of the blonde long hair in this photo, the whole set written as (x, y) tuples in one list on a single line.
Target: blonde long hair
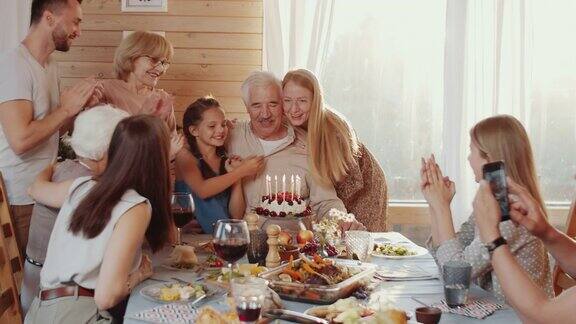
[(504, 138), (332, 142)]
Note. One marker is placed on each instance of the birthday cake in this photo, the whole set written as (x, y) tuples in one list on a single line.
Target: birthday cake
[(283, 203)]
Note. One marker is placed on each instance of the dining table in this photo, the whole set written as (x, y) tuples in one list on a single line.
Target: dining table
[(406, 295)]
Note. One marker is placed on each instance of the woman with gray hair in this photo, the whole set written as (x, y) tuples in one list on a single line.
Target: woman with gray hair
[(92, 132)]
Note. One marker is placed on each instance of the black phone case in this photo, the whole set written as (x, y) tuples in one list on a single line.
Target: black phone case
[(495, 173)]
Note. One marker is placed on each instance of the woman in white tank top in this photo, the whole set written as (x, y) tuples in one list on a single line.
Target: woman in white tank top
[(94, 255)]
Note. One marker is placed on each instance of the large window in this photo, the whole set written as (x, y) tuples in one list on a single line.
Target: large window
[(553, 96), (384, 70)]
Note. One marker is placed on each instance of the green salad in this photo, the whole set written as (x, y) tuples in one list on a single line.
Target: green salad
[(392, 250)]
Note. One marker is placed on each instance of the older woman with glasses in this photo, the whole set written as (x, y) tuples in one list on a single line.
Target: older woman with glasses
[(139, 62)]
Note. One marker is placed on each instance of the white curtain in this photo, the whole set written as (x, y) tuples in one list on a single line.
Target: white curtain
[(14, 23), (296, 34), (486, 61), (500, 57)]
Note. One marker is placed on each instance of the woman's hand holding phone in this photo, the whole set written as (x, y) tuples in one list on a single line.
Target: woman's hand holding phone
[(487, 212), (526, 211)]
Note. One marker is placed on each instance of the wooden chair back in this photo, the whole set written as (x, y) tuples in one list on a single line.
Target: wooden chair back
[(10, 264), (563, 281)]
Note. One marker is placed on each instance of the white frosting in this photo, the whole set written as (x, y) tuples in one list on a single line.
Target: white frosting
[(295, 208)]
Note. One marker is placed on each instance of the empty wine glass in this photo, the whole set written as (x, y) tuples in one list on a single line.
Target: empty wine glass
[(182, 210), (359, 244), (231, 238)]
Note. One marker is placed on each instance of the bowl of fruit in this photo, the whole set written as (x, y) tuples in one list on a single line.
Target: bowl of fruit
[(310, 245), (287, 251)]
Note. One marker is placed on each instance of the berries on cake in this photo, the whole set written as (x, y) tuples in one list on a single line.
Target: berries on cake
[(283, 204)]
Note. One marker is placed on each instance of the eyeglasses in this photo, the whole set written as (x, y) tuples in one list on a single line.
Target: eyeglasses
[(155, 61)]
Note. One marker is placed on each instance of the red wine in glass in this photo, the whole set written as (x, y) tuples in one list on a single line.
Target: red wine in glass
[(182, 211), (248, 310), (231, 239), (231, 250), (182, 217)]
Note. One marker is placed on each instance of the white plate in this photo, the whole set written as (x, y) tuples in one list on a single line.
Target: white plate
[(152, 292), (419, 251), (410, 315)]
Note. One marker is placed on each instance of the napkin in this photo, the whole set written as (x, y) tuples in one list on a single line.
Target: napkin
[(476, 308), (404, 272), (169, 313)]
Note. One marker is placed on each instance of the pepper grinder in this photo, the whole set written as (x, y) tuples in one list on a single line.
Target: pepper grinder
[(258, 248), (273, 257)]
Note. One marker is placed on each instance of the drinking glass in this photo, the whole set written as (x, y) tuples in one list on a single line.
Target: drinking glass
[(182, 210), (359, 243), (248, 296), (231, 239), (457, 276)]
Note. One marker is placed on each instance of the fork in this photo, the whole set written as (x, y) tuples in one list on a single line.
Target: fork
[(181, 281), (199, 299)]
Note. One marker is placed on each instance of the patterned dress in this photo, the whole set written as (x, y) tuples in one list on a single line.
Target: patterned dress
[(364, 191), (527, 249)]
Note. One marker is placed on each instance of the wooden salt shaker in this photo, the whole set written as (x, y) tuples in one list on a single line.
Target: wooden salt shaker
[(252, 220), (273, 257)]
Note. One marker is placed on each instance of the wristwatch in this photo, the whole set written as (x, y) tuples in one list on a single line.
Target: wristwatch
[(495, 244)]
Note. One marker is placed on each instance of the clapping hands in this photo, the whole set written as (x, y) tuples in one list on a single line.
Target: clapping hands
[(86, 93), (159, 103), (437, 189)]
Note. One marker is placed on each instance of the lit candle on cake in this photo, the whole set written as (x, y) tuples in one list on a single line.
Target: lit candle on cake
[(284, 187), (292, 186), (298, 186), (276, 185)]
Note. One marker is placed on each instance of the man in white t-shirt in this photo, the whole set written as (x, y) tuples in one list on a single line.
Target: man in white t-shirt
[(32, 110)]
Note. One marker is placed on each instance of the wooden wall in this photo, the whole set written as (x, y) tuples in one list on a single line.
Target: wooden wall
[(217, 44)]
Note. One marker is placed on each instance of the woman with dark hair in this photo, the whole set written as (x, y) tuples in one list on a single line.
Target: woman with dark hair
[(94, 255), (215, 180)]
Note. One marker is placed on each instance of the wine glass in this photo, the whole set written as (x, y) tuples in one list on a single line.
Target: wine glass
[(231, 239), (249, 294), (182, 210)]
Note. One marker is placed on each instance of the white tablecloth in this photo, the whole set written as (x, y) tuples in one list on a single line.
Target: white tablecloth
[(398, 292)]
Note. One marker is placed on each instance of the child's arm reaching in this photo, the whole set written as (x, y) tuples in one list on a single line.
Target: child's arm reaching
[(205, 188), (237, 204)]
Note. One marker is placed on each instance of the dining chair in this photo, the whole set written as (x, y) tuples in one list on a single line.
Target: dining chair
[(562, 280), (10, 264)]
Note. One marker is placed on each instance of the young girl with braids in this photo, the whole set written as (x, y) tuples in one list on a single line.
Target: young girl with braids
[(214, 179)]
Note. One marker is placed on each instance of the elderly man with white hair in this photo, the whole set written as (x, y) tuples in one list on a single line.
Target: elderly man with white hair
[(93, 130), (284, 148)]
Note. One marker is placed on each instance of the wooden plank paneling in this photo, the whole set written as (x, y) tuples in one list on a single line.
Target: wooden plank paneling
[(215, 41), (229, 104), (173, 23), (94, 38), (229, 115), (217, 44), (195, 72), (183, 8), (187, 88), (182, 55)]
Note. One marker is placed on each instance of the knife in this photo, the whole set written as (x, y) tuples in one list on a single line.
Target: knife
[(292, 316)]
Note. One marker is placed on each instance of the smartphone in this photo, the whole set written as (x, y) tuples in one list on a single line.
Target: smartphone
[(495, 174)]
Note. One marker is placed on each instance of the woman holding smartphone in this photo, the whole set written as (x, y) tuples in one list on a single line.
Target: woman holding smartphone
[(498, 138), (529, 302)]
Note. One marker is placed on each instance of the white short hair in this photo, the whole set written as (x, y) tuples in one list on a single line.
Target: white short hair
[(93, 130), (259, 79)]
